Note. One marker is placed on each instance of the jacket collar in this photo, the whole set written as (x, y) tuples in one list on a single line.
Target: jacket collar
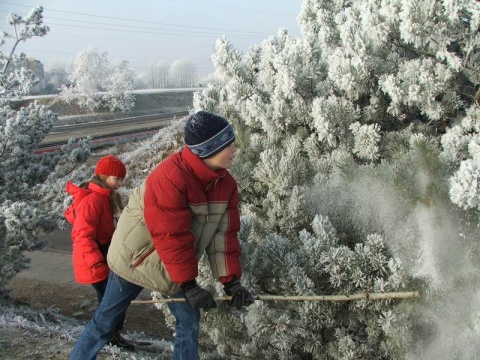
[(203, 173), (79, 193), (98, 189)]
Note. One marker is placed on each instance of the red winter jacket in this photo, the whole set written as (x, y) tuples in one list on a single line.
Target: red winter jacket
[(93, 227), (189, 210)]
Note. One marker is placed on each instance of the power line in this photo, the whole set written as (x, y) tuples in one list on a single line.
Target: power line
[(236, 33), (124, 26), (230, 7), (192, 34), (156, 42), (129, 20), (168, 31), (145, 32), (147, 28)]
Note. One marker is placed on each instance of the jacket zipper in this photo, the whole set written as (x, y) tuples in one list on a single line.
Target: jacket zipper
[(142, 259), (214, 183)]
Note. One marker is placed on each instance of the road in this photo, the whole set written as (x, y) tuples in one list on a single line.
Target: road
[(108, 127), (60, 241)]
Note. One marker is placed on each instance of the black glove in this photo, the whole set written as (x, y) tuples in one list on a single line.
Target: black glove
[(197, 297), (240, 296)]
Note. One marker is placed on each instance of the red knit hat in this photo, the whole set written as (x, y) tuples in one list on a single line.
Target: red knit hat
[(111, 166)]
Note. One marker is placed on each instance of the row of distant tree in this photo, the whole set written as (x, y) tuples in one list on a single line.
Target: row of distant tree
[(93, 82), (95, 65)]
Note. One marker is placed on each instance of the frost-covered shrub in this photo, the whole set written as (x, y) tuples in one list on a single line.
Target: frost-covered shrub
[(461, 149), (30, 204), (361, 98), (312, 263)]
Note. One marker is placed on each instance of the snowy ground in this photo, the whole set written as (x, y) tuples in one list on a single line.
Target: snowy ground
[(43, 320), (31, 334)]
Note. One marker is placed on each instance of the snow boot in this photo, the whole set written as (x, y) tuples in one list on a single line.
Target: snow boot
[(118, 340)]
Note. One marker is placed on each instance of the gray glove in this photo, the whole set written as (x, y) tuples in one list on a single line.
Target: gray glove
[(197, 297), (241, 297)]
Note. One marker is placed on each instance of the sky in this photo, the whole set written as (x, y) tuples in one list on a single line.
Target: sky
[(151, 30)]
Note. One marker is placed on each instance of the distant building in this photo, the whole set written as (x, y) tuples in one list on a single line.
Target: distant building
[(35, 66)]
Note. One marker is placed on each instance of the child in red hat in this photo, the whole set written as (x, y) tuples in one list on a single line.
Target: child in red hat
[(96, 208)]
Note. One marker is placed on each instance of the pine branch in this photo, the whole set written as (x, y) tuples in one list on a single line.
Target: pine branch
[(421, 52)]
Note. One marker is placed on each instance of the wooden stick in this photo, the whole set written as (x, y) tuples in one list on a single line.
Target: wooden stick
[(351, 297)]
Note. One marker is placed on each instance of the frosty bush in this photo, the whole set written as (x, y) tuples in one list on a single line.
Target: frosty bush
[(318, 263), (28, 182), (362, 98)]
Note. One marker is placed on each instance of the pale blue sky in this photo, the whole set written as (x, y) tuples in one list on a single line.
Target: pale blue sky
[(140, 31)]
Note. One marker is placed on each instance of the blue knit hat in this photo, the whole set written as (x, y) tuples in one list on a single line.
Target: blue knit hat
[(207, 134)]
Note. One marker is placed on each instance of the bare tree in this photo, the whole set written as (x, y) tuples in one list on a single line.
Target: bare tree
[(183, 73), (158, 71)]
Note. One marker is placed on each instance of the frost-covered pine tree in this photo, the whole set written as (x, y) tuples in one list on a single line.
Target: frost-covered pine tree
[(95, 83), (347, 183), (30, 204)]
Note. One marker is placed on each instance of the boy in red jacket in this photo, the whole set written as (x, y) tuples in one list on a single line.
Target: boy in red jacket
[(185, 209), (95, 210)]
